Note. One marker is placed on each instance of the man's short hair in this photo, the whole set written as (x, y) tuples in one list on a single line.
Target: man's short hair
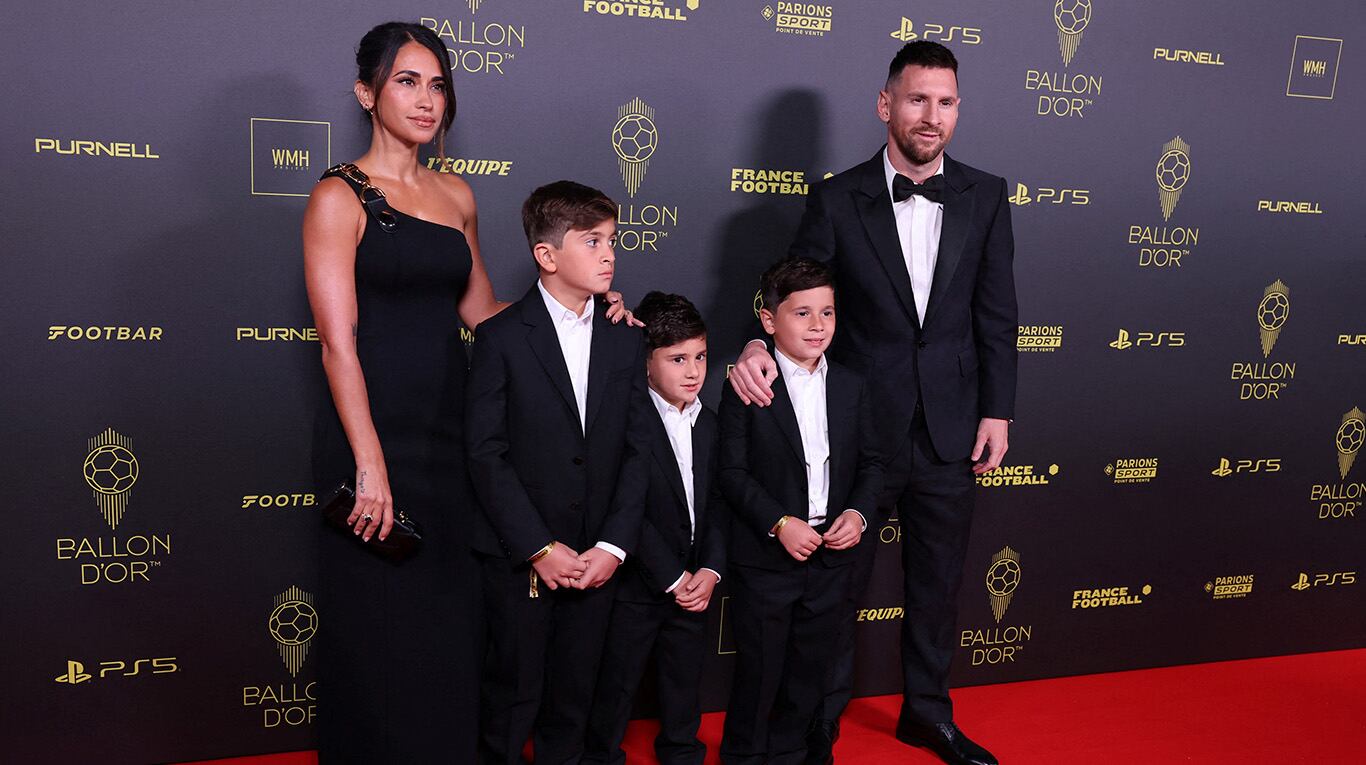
[(930, 55), (558, 207), (792, 274), (669, 320)]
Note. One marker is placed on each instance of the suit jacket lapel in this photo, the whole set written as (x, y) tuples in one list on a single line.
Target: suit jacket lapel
[(702, 435), (599, 365), (663, 450), (952, 234), (874, 205), (786, 416), (545, 344), (840, 418)]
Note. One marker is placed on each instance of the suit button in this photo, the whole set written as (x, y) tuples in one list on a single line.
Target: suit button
[(578, 460), (922, 343)]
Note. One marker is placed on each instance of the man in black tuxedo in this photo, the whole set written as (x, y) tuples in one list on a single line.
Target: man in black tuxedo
[(922, 249), (546, 428), (666, 585), (802, 479)]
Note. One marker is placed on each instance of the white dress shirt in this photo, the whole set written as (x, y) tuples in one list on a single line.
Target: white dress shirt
[(918, 223), (575, 332), (807, 391), (679, 426)]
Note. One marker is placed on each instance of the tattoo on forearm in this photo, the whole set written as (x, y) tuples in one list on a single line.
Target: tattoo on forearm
[(360, 486)]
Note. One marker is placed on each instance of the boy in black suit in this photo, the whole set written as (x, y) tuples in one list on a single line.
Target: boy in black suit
[(802, 479), (548, 399), (665, 586)]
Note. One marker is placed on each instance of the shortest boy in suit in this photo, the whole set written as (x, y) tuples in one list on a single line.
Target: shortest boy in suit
[(801, 477), (666, 586)]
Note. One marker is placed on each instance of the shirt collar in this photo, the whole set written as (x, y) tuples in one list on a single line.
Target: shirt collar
[(790, 368), (890, 172), (561, 314), (664, 407)]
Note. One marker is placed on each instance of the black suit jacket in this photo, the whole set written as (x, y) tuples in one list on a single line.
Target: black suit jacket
[(669, 544), (961, 364), (763, 470), (538, 476)]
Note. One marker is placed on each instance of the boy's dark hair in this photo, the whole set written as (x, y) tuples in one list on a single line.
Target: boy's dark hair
[(930, 55), (557, 207), (669, 320), (792, 274)]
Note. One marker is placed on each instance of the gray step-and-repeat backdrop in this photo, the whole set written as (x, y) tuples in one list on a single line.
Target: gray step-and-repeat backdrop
[(1181, 485)]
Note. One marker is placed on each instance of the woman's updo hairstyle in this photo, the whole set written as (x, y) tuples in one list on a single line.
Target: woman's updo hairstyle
[(375, 61)]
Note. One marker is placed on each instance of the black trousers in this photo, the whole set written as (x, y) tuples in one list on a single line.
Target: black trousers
[(840, 681), (678, 640), (541, 665), (786, 626)]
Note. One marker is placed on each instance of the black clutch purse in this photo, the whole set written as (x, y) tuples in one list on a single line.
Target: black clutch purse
[(404, 538)]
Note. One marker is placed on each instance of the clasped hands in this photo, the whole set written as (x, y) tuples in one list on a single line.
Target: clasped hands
[(800, 540), (562, 567)]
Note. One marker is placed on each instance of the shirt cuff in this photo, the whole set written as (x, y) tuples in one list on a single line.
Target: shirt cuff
[(617, 552), (860, 517), (677, 582), (756, 340)]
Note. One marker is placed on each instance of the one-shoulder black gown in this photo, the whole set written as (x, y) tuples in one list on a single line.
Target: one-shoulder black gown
[(398, 644)]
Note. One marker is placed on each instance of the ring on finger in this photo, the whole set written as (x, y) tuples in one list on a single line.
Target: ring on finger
[(367, 517)]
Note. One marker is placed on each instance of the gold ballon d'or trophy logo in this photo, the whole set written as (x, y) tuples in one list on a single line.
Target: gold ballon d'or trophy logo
[(1272, 313), (1349, 438), (1173, 170), (111, 469), (1003, 577), (635, 139), (1071, 16), (293, 624)]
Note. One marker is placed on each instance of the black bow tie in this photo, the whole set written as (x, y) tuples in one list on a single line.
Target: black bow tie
[(904, 188)]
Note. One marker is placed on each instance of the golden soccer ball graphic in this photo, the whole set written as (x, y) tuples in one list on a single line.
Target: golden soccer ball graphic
[(1003, 577), (111, 469), (1173, 170), (1273, 311), (758, 303), (1072, 16), (293, 622), (1349, 437), (635, 138), (768, 12)]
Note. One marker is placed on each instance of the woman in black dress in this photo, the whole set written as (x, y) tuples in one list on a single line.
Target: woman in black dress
[(399, 644)]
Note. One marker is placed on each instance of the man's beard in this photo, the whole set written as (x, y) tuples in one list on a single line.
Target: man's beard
[(906, 143)]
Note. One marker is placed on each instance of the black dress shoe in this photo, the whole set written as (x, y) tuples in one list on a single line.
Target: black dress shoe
[(820, 742), (945, 740)]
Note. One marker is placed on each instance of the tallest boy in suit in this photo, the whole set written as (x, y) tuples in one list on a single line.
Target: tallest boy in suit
[(923, 252)]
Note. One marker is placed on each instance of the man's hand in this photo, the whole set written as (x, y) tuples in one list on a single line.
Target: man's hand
[(798, 538), (845, 532), (695, 593), (992, 443), (560, 567), (753, 375), (617, 310), (600, 566)]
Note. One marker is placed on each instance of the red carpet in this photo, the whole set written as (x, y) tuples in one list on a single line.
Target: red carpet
[(1289, 709)]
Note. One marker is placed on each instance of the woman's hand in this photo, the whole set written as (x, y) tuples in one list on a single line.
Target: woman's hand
[(616, 310), (374, 510)]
